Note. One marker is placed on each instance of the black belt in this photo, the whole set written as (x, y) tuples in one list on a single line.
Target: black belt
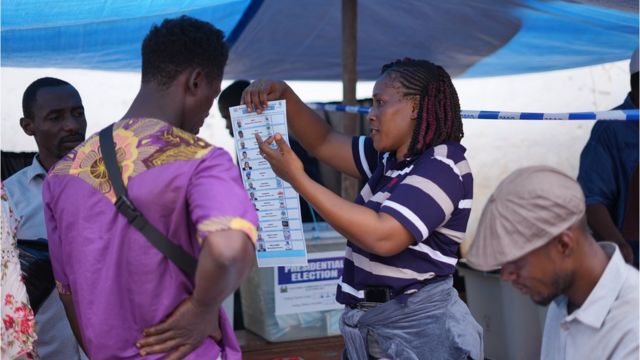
[(376, 295), (373, 296)]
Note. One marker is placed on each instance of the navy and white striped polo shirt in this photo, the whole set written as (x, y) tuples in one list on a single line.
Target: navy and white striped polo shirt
[(431, 196)]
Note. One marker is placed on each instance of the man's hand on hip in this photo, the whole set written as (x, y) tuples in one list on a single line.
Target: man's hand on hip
[(182, 332)]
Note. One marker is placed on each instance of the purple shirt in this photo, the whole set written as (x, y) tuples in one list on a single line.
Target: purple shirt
[(119, 282), (430, 195)]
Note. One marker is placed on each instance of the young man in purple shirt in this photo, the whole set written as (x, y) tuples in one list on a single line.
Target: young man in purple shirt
[(124, 298)]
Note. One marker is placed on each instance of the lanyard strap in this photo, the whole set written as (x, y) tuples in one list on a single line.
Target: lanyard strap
[(185, 261)]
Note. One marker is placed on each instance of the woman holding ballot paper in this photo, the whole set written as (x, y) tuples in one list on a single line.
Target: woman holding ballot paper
[(406, 225)]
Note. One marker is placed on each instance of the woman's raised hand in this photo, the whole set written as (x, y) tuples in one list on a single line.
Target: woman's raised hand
[(261, 91), (284, 162)]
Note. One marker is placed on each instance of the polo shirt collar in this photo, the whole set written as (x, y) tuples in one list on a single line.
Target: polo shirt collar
[(600, 300), (35, 169), (391, 163)]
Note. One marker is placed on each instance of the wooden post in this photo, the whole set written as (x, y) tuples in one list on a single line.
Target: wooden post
[(350, 124)]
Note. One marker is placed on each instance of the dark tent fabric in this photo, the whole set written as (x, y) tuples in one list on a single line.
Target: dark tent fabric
[(13, 162), (301, 40)]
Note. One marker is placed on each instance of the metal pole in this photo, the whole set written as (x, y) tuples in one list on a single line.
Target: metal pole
[(350, 124)]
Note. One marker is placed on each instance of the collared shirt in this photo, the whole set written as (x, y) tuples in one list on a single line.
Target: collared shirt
[(119, 282), (430, 195), (24, 190), (605, 326)]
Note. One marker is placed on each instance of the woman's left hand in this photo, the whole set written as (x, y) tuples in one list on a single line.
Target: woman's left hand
[(284, 162)]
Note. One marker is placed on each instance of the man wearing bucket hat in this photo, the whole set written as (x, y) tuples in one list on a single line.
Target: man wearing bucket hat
[(534, 226)]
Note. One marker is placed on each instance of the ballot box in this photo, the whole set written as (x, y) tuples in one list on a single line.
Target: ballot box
[(297, 302)]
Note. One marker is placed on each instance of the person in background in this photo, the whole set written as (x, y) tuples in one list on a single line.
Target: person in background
[(187, 188), (230, 97), (535, 227), (609, 176), (54, 115), (407, 223), (18, 321)]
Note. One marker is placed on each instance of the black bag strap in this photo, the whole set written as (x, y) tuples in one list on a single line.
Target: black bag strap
[(185, 261)]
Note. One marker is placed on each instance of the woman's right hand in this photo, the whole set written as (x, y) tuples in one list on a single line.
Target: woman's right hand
[(256, 95)]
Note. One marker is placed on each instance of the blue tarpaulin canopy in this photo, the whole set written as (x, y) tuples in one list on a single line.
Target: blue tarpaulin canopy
[(301, 40)]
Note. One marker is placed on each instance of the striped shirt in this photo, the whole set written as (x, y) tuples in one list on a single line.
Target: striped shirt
[(430, 195)]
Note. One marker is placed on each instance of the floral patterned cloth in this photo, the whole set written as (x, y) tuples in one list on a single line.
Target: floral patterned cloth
[(18, 321)]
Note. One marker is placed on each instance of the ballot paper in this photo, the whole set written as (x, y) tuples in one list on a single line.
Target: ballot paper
[(280, 235)]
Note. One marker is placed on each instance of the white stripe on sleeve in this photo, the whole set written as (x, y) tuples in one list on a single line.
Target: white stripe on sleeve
[(363, 158), (432, 189), (434, 254), (440, 150), (451, 164), (457, 236), (409, 215), (464, 167)]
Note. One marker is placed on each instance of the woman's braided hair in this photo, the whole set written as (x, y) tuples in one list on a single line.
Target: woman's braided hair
[(438, 119)]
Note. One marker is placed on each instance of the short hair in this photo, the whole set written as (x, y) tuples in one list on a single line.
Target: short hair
[(232, 94), (438, 119), (180, 44), (31, 92)]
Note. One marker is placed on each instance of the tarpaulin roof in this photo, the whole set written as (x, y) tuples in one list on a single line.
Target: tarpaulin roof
[(301, 40)]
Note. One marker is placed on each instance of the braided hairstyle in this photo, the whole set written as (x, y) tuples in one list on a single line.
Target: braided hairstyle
[(438, 119)]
